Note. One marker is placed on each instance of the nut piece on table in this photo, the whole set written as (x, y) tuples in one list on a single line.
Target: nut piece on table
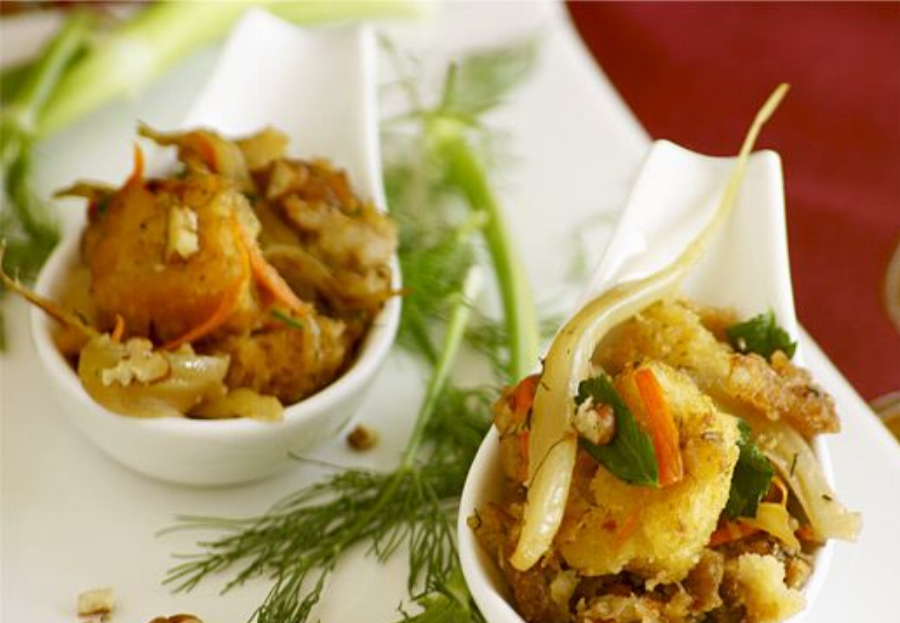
[(98, 601), (362, 438), (177, 618)]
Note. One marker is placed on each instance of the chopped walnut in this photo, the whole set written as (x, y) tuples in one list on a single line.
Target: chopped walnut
[(362, 438), (140, 363), (596, 423), (98, 601), (182, 241)]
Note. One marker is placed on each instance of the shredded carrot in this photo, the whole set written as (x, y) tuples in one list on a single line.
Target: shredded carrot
[(628, 527), (661, 426), (59, 313), (807, 534), (523, 395), (137, 174), (731, 531), (269, 278), (226, 306), (204, 147), (118, 330)]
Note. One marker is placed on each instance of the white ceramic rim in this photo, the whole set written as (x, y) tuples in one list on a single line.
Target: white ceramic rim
[(371, 353)]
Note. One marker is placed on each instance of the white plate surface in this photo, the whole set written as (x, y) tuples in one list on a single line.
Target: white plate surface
[(70, 519)]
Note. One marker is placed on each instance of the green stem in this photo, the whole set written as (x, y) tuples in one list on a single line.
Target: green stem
[(469, 175), (42, 80), (144, 47), (419, 332), (12, 78), (456, 328)]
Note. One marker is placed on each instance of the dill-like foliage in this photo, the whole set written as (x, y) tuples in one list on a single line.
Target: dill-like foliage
[(440, 196)]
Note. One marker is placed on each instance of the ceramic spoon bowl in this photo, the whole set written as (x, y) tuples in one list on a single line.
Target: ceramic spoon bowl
[(745, 267), (326, 104)]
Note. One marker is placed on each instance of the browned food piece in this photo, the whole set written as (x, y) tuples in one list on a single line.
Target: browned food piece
[(97, 601), (672, 332), (160, 294), (288, 362), (329, 245), (541, 593), (203, 151), (183, 260)]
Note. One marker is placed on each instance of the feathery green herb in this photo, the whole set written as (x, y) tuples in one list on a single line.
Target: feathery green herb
[(440, 195)]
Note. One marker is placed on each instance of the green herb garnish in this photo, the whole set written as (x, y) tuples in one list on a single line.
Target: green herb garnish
[(630, 455), (286, 319), (761, 335), (751, 479)]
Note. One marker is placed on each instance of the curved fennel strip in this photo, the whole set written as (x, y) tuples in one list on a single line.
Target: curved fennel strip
[(795, 461), (553, 443)]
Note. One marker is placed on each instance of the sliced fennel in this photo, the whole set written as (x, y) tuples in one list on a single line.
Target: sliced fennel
[(797, 464), (553, 442)]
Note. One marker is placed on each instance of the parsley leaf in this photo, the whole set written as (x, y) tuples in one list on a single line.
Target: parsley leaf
[(630, 455), (761, 335), (751, 479)]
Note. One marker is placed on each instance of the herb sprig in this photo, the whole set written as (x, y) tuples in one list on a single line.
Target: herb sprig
[(629, 455), (761, 335), (751, 479), (298, 542)]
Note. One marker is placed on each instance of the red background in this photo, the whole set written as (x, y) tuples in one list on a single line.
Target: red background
[(695, 73)]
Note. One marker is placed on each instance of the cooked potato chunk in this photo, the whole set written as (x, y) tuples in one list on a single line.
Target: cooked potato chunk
[(658, 533), (159, 295)]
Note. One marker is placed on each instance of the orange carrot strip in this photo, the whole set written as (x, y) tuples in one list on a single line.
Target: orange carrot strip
[(523, 395), (807, 534), (270, 279), (226, 306), (119, 330), (730, 531), (627, 528), (207, 150), (661, 426)]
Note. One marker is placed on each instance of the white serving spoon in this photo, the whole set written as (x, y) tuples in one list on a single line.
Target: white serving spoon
[(319, 88), (745, 266)]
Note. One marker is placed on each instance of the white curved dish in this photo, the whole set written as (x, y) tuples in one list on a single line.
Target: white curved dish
[(323, 118), (70, 519), (745, 267)]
